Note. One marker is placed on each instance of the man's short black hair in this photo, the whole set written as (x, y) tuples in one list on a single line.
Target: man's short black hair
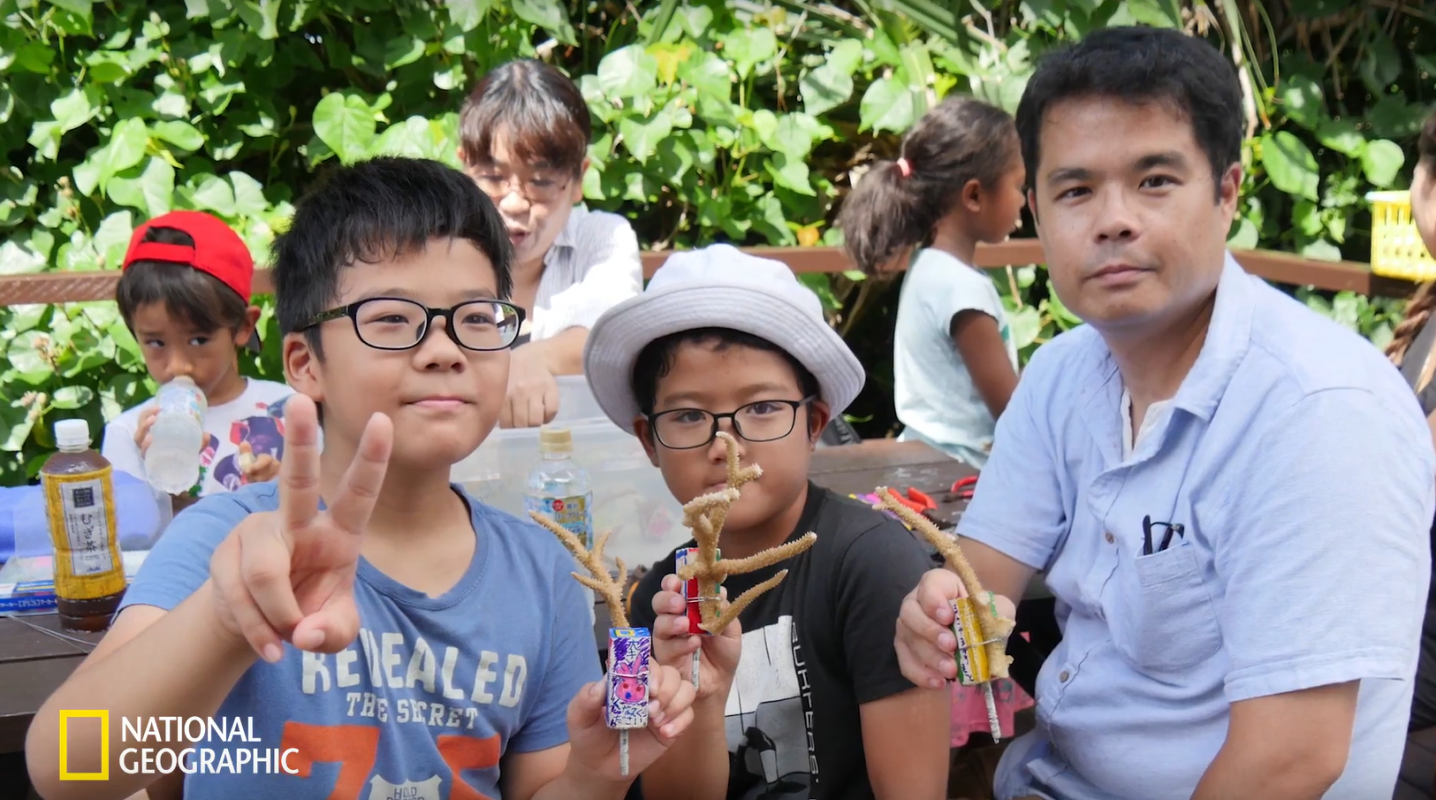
[(656, 360), (375, 211), (201, 300), (1141, 65)]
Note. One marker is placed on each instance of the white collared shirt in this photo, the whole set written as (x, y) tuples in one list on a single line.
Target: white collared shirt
[(1131, 441), (592, 266)]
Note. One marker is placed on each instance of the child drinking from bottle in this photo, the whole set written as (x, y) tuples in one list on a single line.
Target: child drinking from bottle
[(957, 182), (185, 296)]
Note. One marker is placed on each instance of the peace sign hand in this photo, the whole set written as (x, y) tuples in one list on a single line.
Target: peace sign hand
[(288, 575)]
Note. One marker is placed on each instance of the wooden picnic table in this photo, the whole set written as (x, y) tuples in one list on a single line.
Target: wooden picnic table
[(33, 664)]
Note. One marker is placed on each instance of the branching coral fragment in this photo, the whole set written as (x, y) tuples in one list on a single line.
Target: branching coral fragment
[(753, 563), (705, 516), (602, 582), (995, 629)]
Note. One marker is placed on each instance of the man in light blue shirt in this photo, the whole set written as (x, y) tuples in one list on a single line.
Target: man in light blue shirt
[(1229, 494)]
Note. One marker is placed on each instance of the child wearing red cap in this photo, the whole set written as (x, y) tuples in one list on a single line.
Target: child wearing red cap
[(185, 296)]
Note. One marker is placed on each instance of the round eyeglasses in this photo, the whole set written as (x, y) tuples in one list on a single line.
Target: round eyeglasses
[(539, 189), (761, 421), (393, 323)]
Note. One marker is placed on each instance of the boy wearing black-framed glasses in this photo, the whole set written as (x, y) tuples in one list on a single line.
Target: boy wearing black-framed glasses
[(802, 698), (389, 634)]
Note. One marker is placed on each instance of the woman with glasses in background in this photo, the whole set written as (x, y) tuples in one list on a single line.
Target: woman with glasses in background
[(524, 134)]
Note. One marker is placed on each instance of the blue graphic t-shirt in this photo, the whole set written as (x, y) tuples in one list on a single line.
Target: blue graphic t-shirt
[(433, 692)]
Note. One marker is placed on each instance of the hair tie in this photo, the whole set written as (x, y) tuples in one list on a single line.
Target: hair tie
[(904, 167)]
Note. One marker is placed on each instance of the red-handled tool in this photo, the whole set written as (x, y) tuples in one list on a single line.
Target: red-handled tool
[(965, 487), (920, 502)]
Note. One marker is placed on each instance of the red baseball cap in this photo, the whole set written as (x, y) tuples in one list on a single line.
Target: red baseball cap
[(217, 250)]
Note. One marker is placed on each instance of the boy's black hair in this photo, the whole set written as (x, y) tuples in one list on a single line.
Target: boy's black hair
[(538, 109), (656, 360), (374, 211), (203, 301), (960, 140), (1139, 64)]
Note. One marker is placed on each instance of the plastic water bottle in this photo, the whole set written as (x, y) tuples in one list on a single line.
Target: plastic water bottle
[(560, 489), (80, 508), (172, 462)]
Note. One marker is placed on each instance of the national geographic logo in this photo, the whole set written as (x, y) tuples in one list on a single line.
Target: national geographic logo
[(165, 753), (104, 773)]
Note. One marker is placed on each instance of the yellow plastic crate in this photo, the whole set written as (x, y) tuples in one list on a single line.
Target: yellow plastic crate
[(1396, 247)]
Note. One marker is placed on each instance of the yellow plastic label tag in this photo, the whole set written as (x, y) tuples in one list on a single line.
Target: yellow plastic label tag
[(972, 666)]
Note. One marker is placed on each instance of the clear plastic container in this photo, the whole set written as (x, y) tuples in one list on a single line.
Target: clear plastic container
[(576, 403), (176, 437), (631, 500)]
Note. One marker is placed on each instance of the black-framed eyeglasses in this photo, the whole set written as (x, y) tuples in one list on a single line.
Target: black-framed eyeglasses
[(1170, 528), (394, 323), (759, 421)]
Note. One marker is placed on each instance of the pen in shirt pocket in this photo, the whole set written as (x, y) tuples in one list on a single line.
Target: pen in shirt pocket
[(1171, 528)]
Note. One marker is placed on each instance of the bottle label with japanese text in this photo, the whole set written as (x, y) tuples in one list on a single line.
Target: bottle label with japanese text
[(81, 514), (573, 514)]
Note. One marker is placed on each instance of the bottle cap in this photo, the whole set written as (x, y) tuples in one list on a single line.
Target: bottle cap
[(72, 433), (555, 440)]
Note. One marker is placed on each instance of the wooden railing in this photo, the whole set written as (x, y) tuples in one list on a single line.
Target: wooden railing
[(71, 287)]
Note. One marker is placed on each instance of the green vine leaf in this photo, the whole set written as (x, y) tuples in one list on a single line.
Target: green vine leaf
[(825, 88), (1381, 161), (1290, 165), (887, 106), (628, 72), (345, 124)]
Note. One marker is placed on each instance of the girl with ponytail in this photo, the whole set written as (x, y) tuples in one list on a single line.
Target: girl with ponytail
[(1411, 349), (958, 181)]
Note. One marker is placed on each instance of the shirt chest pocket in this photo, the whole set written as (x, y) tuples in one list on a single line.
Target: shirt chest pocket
[(1170, 621)]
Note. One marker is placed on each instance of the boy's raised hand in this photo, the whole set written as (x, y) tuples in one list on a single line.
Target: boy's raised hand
[(256, 469), (595, 746), (142, 429), (674, 645), (288, 575)]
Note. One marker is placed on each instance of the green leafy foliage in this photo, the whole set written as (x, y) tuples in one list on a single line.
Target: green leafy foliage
[(713, 121)]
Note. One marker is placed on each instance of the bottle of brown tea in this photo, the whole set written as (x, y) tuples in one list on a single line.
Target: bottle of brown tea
[(80, 507)]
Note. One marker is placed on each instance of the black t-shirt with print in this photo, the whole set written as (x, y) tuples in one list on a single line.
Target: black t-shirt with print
[(814, 648)]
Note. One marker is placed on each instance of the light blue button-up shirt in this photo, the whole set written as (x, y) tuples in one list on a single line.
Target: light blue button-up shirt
[(1301, 467)]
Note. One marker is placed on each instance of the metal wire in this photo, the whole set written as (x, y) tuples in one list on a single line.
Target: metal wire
[(83, 644)]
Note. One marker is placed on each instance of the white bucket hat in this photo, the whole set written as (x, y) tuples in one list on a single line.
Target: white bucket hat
[(718, 287)]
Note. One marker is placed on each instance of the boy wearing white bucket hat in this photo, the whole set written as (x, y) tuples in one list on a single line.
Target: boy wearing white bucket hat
[(803, 697)]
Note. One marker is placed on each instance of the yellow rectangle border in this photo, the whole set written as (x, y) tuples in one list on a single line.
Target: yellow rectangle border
[(104, 773)]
